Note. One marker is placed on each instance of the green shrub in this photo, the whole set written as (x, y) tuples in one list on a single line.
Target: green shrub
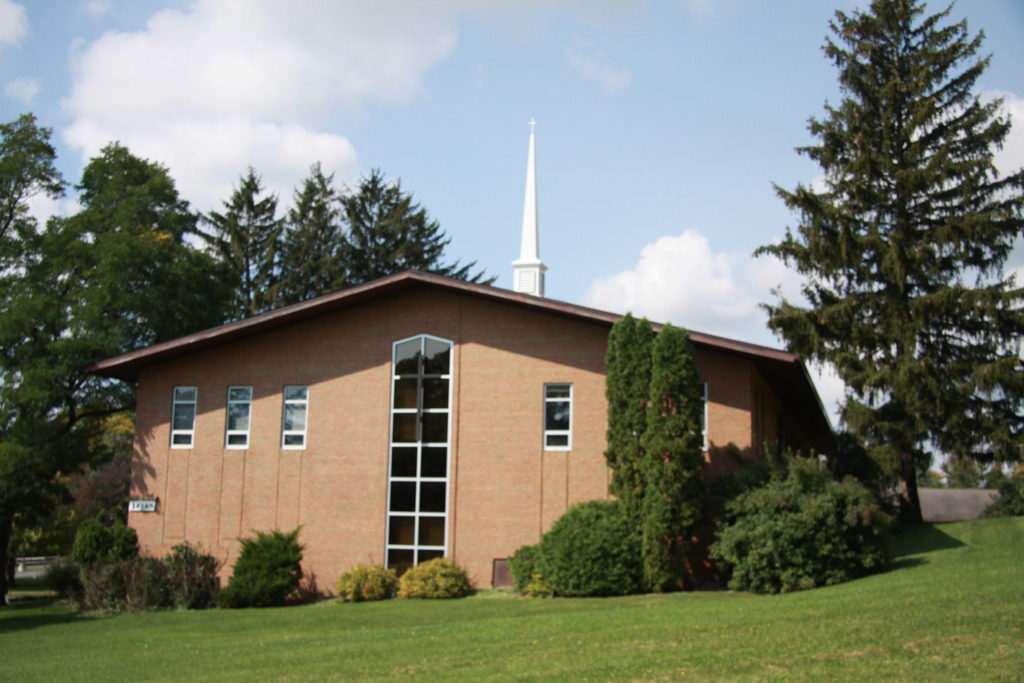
[(267, 571), (437, 578), (367, 582), (537, 588), (801, 531), (192, 577), (95, 542), (591, 550), (1010, 502), (523, 565), (146, 585), (63, 578)]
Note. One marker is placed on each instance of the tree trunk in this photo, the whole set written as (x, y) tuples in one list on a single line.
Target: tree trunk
[(910, 502), (6, 527)]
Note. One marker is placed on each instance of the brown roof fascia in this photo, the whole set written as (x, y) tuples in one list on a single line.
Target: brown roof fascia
[(127, 366)]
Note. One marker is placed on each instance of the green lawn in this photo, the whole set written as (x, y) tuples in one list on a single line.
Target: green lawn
[(951, 609)]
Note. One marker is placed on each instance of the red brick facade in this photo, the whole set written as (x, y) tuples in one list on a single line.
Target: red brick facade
[(504, 489)]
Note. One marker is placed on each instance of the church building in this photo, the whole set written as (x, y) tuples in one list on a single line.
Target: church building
[(413, 417)]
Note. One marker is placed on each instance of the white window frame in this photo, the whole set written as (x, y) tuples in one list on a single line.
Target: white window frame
[(419, 479), (190, 433), (285, 402), (704, 423), (228, 433), (557, 432)]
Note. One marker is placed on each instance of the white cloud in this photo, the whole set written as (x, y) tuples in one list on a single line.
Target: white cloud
[(205, 89), (98, 7), (592, 65), (22, 89), (1010, 158), (13, 22)]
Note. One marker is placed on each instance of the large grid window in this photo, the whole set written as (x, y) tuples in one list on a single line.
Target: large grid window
[(183, 417), (236, 432), (557, 417), (293, 417), (418, 462)]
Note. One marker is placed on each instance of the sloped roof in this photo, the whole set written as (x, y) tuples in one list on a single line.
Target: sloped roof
[(785, 371)]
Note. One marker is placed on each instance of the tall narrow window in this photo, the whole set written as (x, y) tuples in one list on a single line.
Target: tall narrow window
[(418, 463), (239, 406), (293, 417), (704, 413), (557, 417), (183, 417)]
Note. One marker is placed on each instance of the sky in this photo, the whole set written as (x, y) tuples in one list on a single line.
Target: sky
[(661, 125)]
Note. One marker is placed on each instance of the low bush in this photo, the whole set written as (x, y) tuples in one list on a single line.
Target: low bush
[(590, 550), (801, 531), (146, 584), (367, 582), (437, 578), (266, 572), (95, 542), (1010, 502), (523, 566), (192, 576), (63, 578)]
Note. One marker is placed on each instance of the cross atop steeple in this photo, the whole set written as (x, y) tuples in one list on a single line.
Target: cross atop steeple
[(528, 270)]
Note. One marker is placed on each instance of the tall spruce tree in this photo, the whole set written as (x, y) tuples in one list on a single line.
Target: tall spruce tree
[(247, 237), (673, 459), (313, 245), (389, 233), (627, 388), (903, 247)]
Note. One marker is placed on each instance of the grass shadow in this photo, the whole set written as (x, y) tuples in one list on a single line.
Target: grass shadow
[(23, 614), (924, 538)]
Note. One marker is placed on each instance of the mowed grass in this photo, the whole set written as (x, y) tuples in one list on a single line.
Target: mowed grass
[(952, 608)]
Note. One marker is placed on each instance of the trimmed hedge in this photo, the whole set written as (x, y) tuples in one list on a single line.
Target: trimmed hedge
[(95, 543), (437, 578), (267, 571), (801, 531), (367, 582)]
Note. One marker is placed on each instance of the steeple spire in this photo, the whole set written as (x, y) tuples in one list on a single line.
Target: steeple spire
[(528, 270)]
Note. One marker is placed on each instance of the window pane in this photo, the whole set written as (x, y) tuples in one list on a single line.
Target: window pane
[(182, 440), (430, 554), (184, 415), (435, 393), (431, 531), (405, 393), (294, 439), (403, 462), (556, 391), (556, 440), (294, 416), (435, 427), (238, 439), (432, 498), (184, 393), (435, 462), (295, 393), (238, 416), (407, 357), (402, 530), (403, 496), (400, 560), (240, 393), (404, 428), (556, 415), (438, 355)]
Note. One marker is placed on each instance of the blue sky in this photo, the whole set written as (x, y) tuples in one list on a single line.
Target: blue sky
[(661, 125)]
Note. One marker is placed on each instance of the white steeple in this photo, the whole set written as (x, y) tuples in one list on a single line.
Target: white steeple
[(528, 271)]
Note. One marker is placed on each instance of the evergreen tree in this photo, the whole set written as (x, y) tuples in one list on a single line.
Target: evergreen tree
[(673, 458), (246, 237), (902, 250), (388, 233), (313, 247), (627, 388)]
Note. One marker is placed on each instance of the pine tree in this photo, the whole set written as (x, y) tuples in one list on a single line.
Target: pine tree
[(627, 388), (673, 458), (313, 246), (246, 236), (902, 250), (388, 233)]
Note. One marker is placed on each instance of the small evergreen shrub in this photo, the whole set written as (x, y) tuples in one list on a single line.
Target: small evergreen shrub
[(523, 566), (801, 531), (95, 542), (437, 578), (591, 550), (267, 571), (63, 579), (192, 576), (367, 582), (537, 588), (1010, 502)]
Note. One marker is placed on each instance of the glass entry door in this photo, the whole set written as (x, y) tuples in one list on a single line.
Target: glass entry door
[(418, 458)]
